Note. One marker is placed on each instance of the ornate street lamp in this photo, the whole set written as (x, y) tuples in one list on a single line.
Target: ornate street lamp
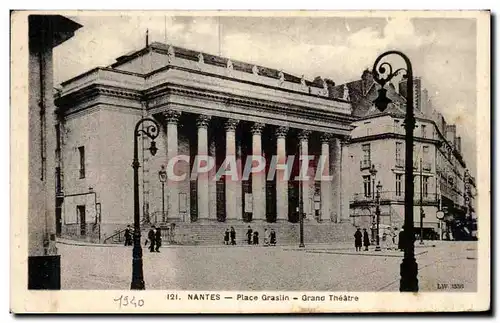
[(162, 174), (382, 74), (373, 173), (151, 131), (377, 212)]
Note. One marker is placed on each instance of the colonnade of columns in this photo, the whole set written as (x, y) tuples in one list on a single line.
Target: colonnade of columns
[(329, 161)]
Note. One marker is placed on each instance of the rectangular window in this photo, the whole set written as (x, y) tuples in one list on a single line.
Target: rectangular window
[(80, 211), (399, 157), (81, 152), (399, 183), (367, 186), (426, 164), (366, 156), (425, 185), (424, 131), (368, 128), (397, 127), (58, 137)]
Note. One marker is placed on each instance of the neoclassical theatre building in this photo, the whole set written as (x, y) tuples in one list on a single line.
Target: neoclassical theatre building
[(206, 105)]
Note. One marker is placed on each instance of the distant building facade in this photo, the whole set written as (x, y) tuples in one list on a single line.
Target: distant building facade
[(376, 154), (45, 33), (206, 105)]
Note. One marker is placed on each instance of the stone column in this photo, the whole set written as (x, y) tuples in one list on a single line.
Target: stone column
[(202, 180), (233, 185), (336, 179), (281, 180), (305, 176), (344, 178), (172, 118), (258, 178), (325, 182)]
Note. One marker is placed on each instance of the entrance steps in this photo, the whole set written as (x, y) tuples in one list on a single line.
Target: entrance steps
[(212, 233)]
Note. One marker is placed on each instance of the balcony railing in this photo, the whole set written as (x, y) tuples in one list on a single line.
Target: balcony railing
[(365, 164), (395, 196)]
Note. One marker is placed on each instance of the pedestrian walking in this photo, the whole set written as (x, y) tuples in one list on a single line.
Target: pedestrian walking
[(357, 239), (273, 237), (249, 235), (151, 239), (266, 237), (394, 237), (226, 237), (233, 236), (172, 233), (158, 239), (128, 236), (255, 237), (401, 239), (366, 239)]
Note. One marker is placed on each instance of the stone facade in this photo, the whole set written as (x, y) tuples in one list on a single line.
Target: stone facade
[(206, 105), (378, 141)]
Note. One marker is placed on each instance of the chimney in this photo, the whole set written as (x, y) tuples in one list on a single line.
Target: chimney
[(458, 144), (451, 133), (402, 88), (417, 87), (367, 80)]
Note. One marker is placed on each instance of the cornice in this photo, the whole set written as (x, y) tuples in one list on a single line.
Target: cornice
[(391, 135), (94, 90), (222, 97)]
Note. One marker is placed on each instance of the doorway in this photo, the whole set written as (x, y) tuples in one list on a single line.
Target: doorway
[(81, 217), (59, 202)]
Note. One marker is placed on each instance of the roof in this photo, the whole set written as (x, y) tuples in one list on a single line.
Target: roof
[(216, 60), (364, 91)]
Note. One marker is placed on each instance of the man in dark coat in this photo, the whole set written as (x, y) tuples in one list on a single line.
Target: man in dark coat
[(273, 237), (357, 239), (366, 239), (233, 236), (151, 239), (401, 238), (255, 237), (249, 235), (158, 239), (128, 236)]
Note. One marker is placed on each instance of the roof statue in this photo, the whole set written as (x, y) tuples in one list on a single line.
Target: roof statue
[(346, 96)]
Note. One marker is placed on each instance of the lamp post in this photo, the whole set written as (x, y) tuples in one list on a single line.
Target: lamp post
[(383, 73), (152, 132), (301, 208), (373, 173), (162, 174), (377, 212), (422, 215), (301, 217)]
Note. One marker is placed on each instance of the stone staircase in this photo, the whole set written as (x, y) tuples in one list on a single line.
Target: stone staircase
[(212, 233)]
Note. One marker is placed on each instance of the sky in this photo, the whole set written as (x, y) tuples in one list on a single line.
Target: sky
[(442, 50)]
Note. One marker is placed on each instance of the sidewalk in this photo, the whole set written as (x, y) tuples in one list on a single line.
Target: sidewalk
[(337, 246)]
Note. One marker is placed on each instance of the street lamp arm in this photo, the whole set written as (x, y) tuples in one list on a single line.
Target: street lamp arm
[(152, 131), (385, 68)]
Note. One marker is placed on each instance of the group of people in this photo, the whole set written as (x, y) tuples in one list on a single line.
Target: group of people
[(154, 238), (362, 239), (252, 237)]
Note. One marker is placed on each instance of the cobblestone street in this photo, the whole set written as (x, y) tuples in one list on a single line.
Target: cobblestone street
[(318, 267)]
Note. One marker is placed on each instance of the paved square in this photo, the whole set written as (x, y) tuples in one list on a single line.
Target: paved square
[(321, 267)]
